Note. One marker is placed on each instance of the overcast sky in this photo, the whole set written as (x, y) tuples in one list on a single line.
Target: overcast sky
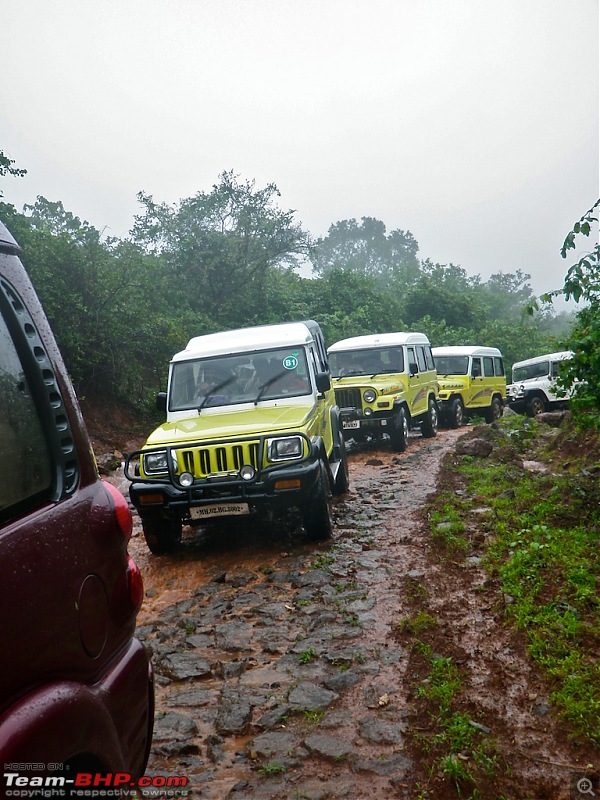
[(471, 123)]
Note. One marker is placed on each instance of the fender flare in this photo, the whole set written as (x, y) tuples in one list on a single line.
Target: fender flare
[(57, 723)]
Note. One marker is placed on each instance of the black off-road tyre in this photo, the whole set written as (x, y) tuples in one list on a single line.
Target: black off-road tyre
[(429, 426), (494, 412), (535, 406), (399, 431), (316, 514), (456, 413), (162, 535)]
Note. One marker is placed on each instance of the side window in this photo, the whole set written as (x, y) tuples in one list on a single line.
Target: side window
[(476, 368), (25, 462), (421, 359), (498, 366), (410, 358), (429, 358), (488, 366), (554, 367)]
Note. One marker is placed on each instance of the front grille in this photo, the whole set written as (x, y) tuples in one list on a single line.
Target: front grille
[(212, 459), (348, 398)]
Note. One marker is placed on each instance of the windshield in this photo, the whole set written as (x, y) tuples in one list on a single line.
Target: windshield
[(344, 363), (531, 371), (451, 365), (231, 379)]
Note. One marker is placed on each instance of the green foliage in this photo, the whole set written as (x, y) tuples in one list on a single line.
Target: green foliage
[(229, 258), (6, 168), (365, 249), (582, 283)]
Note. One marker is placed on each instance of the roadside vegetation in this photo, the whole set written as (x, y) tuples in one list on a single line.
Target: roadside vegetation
[(537, 531), (231, 257)]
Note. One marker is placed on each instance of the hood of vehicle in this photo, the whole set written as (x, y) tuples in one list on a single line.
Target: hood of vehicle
[(212, 424)]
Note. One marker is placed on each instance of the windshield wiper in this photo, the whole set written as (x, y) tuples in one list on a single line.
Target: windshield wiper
[(211, 392), (263, 388)]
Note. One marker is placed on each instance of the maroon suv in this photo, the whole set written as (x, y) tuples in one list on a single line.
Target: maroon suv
[(76, 686)]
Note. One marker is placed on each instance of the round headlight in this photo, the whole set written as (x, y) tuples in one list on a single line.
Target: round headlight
[(247, 472), (186, 479), (369, 396), (368, 412)]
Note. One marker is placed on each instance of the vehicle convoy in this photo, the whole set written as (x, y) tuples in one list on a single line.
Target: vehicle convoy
[(534, 386), (76, 686), (385, 384), (252, 429), (472, 383)]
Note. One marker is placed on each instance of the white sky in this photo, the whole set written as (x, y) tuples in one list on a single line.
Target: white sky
[(471, 123)]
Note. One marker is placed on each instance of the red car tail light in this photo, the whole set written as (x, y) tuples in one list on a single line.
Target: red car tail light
[(122, 510)]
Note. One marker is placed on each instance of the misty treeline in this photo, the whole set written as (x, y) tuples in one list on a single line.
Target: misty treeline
[(230, 258)]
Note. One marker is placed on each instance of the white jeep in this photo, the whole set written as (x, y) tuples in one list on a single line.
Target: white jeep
[(534, 387)]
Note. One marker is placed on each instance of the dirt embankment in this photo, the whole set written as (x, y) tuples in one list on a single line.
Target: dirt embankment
[(283, 672)]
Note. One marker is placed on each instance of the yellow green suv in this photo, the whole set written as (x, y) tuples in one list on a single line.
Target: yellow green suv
[(385, 384), (472, 383), (252, 428)]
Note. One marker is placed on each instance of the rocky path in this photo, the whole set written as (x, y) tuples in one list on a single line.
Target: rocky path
[(280, 670)]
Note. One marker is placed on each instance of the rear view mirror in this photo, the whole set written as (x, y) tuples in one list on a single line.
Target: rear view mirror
[(161, 401), (323, 382)]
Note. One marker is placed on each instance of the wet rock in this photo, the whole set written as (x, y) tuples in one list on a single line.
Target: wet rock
[(272, 744), (474, 447), (233, 636), (341, 681), (554, 418), (233, 716), (180, 666), (328, 746), (310, 697), (397, 765), (172, 734), (381, 731)]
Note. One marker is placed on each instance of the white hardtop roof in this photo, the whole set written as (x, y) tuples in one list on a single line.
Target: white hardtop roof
[(378, 340), (246, 340), (560, 356), (465, 350)]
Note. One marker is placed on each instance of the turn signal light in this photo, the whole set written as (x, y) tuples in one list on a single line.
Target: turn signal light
[(290, 484)]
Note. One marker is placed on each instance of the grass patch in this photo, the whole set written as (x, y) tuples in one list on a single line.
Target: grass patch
[(541, 544)]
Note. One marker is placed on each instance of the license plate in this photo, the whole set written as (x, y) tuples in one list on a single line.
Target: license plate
[(221, 510), (352, 424)]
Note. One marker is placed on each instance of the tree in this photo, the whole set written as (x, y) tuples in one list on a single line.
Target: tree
[(221, 245), (582, 283), (6, 168), (365, 249)]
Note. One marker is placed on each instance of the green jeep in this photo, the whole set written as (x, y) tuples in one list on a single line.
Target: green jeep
[(385, 384), (252, 429)]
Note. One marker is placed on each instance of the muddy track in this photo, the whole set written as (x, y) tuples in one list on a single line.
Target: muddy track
[(280, 669)]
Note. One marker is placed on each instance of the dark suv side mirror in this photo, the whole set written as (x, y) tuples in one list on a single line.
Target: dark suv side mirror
[(161, 401), (323, 382), (414, 369)]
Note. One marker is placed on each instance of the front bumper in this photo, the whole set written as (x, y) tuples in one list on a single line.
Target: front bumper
[(355, 419), (279, 487)]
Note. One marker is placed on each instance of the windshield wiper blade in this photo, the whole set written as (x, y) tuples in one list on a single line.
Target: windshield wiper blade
[(263, 388), (210, 392)]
